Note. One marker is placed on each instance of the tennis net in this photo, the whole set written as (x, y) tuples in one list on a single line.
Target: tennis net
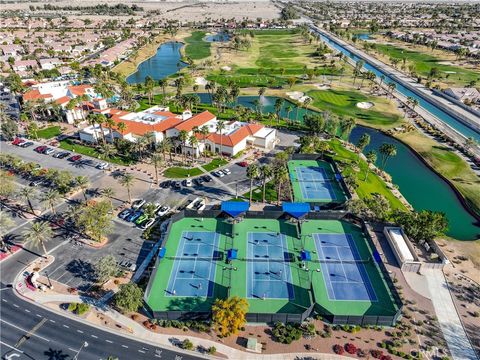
[(197, 258), (337, 261)]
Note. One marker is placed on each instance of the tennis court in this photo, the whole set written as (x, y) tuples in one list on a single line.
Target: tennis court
[(194, 267), (315, 181), (342, 268), (268, 269)]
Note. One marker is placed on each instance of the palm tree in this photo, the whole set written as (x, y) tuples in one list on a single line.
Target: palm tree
[(106, 151), (387, 150), (278, 107), (156, 161), (149, 86), (280, 175), (204, 131), (83, 183), (193, 144), (122, 127), (322, 146), (50, 198), (219, 128), (38, 234), (346, 127), (371, 158), (252, 174), (28, 193), (163, 84), (109, 193), (266, 172), (110, 123), (127, 181), (363, 143), (183, 137), (288, 110), (165, 146)]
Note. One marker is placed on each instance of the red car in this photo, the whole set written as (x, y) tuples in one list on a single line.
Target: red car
[(242, 164), (75, 158), (40, 149), (17, 141)]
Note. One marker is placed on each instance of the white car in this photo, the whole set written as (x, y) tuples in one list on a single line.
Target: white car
[(226, 171), (219, 174), (137, 204), (187, 182), (49, 151), (124, 214), (163, 210), (102, 166), (146, 224)]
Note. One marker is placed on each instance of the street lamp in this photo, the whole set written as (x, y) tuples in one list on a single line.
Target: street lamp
[(85, 344)]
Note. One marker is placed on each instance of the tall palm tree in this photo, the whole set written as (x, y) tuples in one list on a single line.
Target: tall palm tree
[(204, 131), (280, 175), (362, 143), (288, 110), (127, 182), (219, 128), (193, 144), (28, 193), (165, 146), (50, 199), (106, 151), (110, 124), (156, 161), (252, 174), (183, 137), (346, 127), (83, 183), (266, 172), (122, 127), (278, 107), (387, 150), (38, 234), (371, 158), (109, 193), (163, 84)]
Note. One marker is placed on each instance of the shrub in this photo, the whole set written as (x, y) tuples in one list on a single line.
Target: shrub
[(361, 353), (286, 333), (212, 350), (82, 308), (377, 354), (350, 348), (385, 357), (476, 314), (72, 307), (338, 349), (187, 344)]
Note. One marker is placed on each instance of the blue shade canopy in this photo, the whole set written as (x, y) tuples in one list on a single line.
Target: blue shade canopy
[(377, 257), (232, 254), (234, 208), (297, 210), (162, 253), (305, 255)]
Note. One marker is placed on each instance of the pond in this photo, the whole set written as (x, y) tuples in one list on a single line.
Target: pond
[(218, 37), (421, 186), (363, 36), (166, 62)]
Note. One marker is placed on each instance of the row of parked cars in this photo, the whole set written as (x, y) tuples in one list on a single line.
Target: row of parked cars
[(59, 154), (139, 217), (199, 181)]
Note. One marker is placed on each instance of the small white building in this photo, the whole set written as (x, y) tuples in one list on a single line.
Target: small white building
[(49, 64)]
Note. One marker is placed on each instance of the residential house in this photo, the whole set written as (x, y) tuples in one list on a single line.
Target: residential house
[(49, 64)]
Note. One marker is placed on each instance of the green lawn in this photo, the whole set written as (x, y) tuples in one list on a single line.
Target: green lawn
[(177, 172), (423, 62), (90, 151), (344, 103), (215, 163), (257, 193), (373, 184), (49, 132), (196, 48)]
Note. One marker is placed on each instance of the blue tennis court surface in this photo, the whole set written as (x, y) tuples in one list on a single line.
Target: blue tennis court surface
[(193, 272), (268, 273), (344, 280), (314, 183)]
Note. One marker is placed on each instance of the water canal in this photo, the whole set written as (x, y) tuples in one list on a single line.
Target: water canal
[(165, 62), (421, 186)]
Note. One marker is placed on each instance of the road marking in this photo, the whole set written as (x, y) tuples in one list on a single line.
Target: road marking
[(4, 300), (26, 331), (38, 315), (141, 351), (52, 321), (125, 346), (28, 311), (11, 347), (16, 305), (111, 342), (73, 350), (80, 331), (94, 336), (68, 327)]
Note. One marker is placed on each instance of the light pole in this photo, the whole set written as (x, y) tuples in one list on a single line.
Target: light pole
[(85, 344)]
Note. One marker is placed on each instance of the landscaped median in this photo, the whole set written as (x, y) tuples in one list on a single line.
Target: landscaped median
[(49, 132), (176, 172), (69, 145)]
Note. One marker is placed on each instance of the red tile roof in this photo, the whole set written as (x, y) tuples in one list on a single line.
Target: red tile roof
[(79, 90), (140, 128), (34, 94), (63, 100), (197, 120), (236, 137)]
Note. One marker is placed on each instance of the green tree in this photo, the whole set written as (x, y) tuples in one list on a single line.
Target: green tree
[(95, 219), (28, 193), (7, 185), (129, 298), (106, 268), (9, 127), (346, 127), (252, 174), (219, 128), (50, 199), (421, 225), (83, 183), (378, 206), (183, 137), (314, 124), (38, 234), (387, 150), (371, 159), (362, 143), (266, 172), (280, 176), (127, 182)]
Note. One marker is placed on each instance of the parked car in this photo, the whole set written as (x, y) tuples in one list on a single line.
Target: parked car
[(40, 149), (124, 213), (17, 141), (226, 171), (242, 164), (141, 219), (207, 178), (137, 204), (61, 155), (218, 174), (187, 182), (102, 166), (49, 151), (145, 225), (26, 144), (165, 184), (37, 182), (134, 216), (163, 210), (75, 158), (176, 185)]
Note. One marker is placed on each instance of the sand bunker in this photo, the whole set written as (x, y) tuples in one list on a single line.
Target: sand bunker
[(201, 81), (365, 105), (298, 96), (323, 86), (226, 68)]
